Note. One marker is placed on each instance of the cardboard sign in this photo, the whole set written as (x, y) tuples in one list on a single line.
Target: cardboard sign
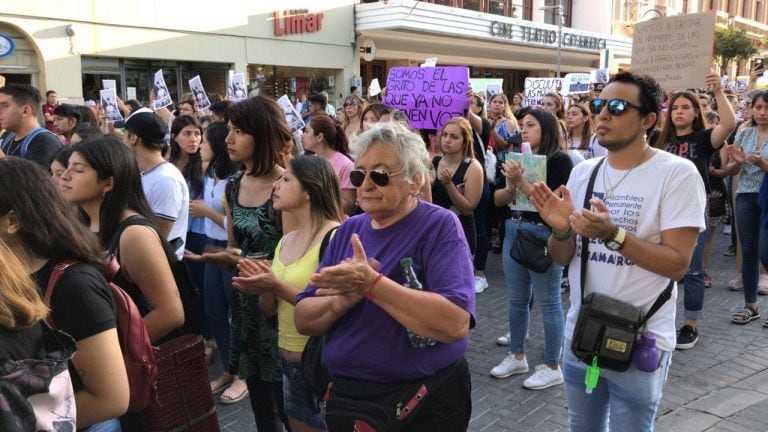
[(238, 90), (576, 83), (489, 86), (536, 88), (108, 84), (676, 51), (599, 76), (430, 62), (534, 170), (429, 97)]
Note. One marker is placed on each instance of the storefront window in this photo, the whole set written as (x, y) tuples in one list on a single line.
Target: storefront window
[(551, 16), (496, 7), (472, 5), (276, 81)]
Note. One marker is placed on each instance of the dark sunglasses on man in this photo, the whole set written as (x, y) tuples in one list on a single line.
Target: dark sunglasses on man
[(615, 107), (380, 177)]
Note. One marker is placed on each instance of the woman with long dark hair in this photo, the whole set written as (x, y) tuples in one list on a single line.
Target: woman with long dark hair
[(309, 191), (104, 181), (43, 230), (541, 129), (684, 134), (258, 134)]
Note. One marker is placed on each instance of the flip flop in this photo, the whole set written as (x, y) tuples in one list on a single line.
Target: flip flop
[(744, 315), (221, 385), (229, 400)]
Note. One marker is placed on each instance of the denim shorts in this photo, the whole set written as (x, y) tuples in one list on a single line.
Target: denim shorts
[(299, 401)]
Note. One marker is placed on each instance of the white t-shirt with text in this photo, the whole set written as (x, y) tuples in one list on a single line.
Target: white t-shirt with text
[(168, 196)]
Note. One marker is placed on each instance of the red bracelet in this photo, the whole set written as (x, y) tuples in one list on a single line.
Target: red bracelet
[(369, 292)]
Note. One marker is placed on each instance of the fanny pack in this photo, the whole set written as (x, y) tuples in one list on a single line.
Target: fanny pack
[(367, 406), (607, 329)]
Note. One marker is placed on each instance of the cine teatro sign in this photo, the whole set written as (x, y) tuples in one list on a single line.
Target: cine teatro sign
[(543, 36)]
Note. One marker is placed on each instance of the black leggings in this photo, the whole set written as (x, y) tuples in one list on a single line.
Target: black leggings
[(267, 404)]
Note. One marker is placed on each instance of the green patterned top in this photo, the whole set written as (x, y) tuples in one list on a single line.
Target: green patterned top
[(254, 337)]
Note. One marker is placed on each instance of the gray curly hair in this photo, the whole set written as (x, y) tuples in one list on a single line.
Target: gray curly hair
[(408, 146)]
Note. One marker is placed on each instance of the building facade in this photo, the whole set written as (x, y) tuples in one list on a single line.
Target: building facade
[(286, 47)]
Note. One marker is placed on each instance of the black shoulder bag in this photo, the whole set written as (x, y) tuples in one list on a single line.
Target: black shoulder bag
[(606, 328)]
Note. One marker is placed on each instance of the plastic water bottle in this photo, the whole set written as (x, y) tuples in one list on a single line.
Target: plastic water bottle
[(525, 148), (411, 281), (646, 356)]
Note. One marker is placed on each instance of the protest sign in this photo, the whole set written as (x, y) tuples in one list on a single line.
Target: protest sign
[(575, 83), (108, 84), (429, 97), (238, 87), (130, 93), (430, 62), (201, 97), (676, 51), (489, 86), (741, 83), (162, 96), (375, 88), (292, 117), (109, 104), (536, 88), (599, 76)]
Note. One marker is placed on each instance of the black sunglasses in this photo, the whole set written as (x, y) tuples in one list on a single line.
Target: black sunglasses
[(380, 177), (616, 107)]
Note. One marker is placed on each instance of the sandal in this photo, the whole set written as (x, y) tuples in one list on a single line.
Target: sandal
[(231, 396), (745, 315), (221, 383)]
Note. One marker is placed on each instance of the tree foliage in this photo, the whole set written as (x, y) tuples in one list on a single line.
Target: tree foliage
[(732, 43)]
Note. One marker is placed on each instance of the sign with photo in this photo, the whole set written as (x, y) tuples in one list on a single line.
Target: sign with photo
[(292, 117), (201, 97), (162, 96), (109, 104)]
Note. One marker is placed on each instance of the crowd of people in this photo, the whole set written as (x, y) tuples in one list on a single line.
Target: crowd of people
[(375, 236)]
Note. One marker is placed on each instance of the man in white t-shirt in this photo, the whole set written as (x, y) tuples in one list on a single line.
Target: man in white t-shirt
[(164, 185), (646, 212)]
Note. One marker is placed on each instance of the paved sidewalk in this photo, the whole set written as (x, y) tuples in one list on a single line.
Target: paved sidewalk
[(720, 385)]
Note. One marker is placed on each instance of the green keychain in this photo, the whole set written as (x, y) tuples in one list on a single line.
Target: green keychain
[(592, 375)]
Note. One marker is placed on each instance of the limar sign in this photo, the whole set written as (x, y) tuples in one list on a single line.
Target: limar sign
[(297, 21), (7, 47)]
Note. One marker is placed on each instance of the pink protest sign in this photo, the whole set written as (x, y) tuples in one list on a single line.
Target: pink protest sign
[(429, 96)]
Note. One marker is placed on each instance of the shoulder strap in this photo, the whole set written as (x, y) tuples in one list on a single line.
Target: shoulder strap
[(326, 239), (7, 140), (462, 170), (56, 273), (27, 139), (660, 300), (436, 161), (584, 239)]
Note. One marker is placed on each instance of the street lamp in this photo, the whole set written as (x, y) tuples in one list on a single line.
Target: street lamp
[(560, 22)]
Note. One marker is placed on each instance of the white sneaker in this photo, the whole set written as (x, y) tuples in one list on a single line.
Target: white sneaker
[(481, 283), (510, 366), (544, 377), (503, 340)]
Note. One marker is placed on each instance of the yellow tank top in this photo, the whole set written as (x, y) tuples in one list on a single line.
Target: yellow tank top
[(296, 274)]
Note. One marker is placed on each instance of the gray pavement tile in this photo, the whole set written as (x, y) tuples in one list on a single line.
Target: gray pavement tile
[(727, 401), (685, 420)]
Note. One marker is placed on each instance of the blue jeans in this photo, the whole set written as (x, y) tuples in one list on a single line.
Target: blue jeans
[(112, 425), (754, 243), (218, 303), (693, 300), (522, 284), (628, 400)]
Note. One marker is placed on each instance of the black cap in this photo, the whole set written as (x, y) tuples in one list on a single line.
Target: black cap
[(148, 126)]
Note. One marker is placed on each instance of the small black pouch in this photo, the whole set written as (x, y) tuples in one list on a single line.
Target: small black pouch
[(530, 251)]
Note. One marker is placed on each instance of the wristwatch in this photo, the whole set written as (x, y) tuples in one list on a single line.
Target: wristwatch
[(615, 240)]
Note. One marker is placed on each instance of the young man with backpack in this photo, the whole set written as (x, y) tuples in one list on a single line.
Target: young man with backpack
[(20, 108)]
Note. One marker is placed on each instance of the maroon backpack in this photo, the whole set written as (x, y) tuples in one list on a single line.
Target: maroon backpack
[(138, 353)]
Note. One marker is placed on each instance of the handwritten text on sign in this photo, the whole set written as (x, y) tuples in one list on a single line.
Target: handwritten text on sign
[(676, 51), (536, 88), (429, 96)]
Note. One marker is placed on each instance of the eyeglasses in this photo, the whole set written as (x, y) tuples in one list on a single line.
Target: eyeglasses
[(616, 107), (380, 177)]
